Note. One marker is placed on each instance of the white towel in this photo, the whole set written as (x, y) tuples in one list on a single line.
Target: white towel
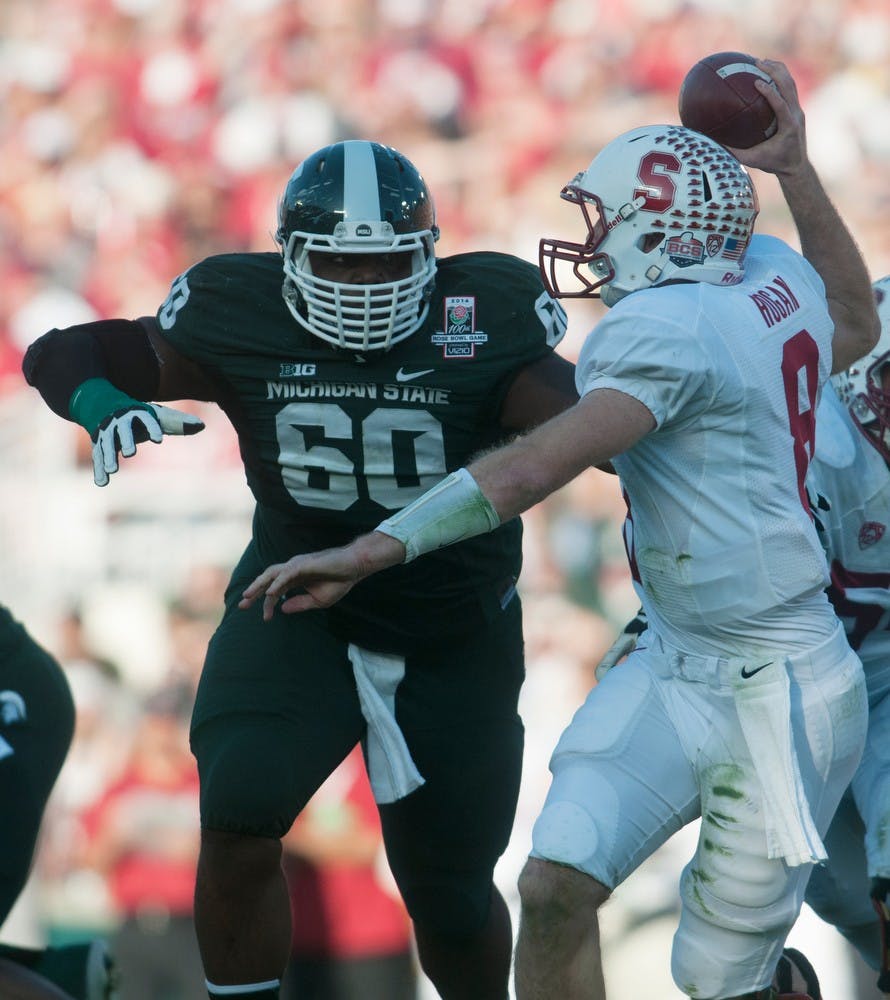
[(391, 769), (763, 701)]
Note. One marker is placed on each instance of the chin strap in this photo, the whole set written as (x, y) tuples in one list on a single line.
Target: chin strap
[(771, 993), (880, 897)]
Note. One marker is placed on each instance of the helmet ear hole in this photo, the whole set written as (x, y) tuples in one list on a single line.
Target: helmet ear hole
[(649, 242)]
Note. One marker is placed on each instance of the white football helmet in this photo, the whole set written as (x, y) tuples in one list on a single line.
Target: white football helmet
[(661, 203), (861, 389), (357, 197)]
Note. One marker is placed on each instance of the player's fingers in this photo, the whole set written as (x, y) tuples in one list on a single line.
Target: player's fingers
[(318, 593), (783, 91), (779, 73), (259, 586), (151, 427), (303, 602), (172, 421), (100, 476), (123, 428), (108, 451), (774, 98)]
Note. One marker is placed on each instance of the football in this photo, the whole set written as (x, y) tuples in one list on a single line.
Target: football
[(719, 99)]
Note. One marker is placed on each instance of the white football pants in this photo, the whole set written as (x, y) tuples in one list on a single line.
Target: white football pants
[(858, 842), (658, 743)]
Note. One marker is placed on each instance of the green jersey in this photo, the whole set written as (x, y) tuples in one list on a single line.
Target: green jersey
[(334, 441)]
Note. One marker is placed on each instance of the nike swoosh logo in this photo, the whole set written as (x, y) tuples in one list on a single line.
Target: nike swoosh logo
[(403, 376), (750, 673)]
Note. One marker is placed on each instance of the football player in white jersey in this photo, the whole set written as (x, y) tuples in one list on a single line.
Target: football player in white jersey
[(745, 705), (849, 484)]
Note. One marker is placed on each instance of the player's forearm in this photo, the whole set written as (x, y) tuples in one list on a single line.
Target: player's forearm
[(604, 423), (494, 488), (829, 246), (506, 482), (516, 478), (115, 350)]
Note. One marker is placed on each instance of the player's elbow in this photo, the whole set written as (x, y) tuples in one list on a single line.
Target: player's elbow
[(855, 334)]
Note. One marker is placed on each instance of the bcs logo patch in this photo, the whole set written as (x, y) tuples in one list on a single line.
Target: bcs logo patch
[(460, 337), (685, 250), (870, 533)]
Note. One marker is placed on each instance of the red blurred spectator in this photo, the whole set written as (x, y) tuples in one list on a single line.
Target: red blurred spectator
[(143, 834)]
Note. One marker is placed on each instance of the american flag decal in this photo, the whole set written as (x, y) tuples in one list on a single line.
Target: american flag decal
[(734, 249)]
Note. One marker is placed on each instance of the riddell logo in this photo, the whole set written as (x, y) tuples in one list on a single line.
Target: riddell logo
[(870, 533)]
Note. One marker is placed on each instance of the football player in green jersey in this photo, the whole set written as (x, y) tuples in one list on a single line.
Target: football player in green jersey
[(355, 380), (36, 727)]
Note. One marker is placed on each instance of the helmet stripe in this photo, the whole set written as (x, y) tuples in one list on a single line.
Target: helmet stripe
[(361, 192)]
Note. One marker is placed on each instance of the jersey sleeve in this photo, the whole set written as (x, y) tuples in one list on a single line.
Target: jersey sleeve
[(212, 305), (651, 358), (542, 320)]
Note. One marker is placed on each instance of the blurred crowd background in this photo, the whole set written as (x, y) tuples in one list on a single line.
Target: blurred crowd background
[(137, 136)]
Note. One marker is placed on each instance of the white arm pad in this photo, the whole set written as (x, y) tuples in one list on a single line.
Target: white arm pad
[(451, 511)]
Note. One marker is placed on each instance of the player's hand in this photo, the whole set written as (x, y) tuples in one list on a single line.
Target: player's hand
[(785, 152), (323, 577), (624, 644), (121, 431)]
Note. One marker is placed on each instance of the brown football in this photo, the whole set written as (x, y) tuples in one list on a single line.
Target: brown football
[(719, 99)]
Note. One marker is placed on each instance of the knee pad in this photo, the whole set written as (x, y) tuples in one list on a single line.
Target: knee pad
[(712, 961), (567, 833), (738, 904)]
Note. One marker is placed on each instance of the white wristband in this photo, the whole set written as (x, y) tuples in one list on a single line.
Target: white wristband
[(451, 511)]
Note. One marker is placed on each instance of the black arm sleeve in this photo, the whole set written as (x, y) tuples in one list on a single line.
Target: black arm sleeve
[(115, 349)]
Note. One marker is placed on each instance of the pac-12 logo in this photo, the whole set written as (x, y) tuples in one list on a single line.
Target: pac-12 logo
[(714, 244), (870, 533)]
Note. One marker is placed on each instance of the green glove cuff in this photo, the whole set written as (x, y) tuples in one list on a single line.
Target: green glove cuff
[(94, 400)]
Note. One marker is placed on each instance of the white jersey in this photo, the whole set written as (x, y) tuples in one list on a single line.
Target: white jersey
[(722, 545), (849, 483)]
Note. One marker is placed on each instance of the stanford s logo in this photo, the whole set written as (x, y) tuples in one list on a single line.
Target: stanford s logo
[(870, 533)]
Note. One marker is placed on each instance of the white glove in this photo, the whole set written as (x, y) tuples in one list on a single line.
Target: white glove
[(624, 644), (124, 429)]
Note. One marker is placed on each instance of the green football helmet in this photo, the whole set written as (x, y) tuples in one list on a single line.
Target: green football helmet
[(357, 197)]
